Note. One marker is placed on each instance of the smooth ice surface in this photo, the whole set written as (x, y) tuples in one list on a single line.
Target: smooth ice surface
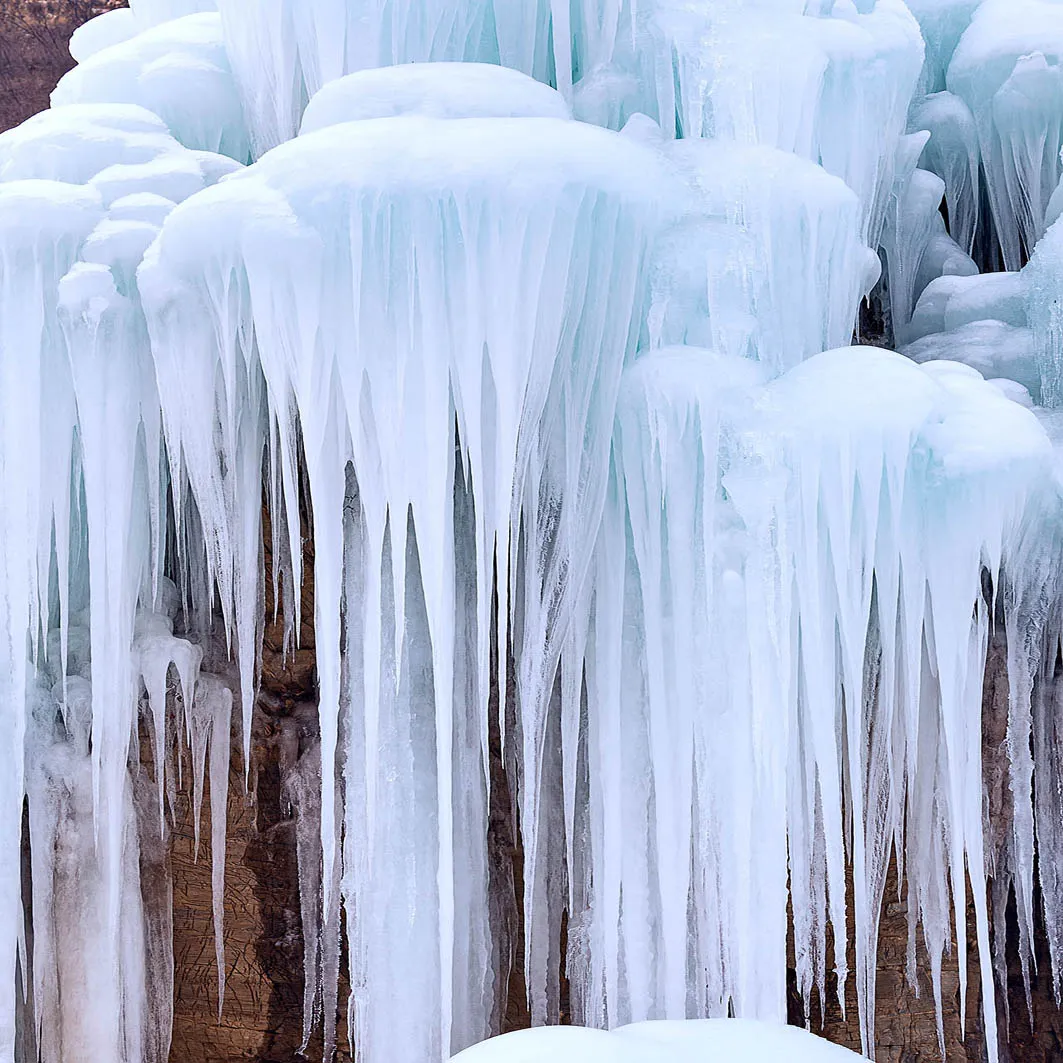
[(950, 301), (712, 1041), (180, 71), (433, 90), (994, 348)]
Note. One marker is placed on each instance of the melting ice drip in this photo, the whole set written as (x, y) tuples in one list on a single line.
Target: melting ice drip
[(544, 332)]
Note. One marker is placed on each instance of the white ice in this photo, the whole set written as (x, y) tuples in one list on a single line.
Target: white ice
[(433, 90), (572, 417), (712, 1041), (180, 71)]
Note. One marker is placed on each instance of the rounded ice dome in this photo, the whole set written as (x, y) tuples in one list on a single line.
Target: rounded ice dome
[(433, 90), (693, 1041)]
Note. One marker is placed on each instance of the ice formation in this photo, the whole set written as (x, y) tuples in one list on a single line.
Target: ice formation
[(536, 315), (707, 1041), (180, 71)]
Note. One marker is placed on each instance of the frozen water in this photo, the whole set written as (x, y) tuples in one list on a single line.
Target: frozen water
[(594, 481), (721, 275), (1006, 68), (942, 23), (180, 71), (433, 90), (512, 198), (994, 348), (658, 1042), (103, 31), (1044, 312), (952, 153)]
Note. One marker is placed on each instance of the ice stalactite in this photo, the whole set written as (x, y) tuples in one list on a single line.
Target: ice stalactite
[(521, 380), (1006, 69), (952, 153), (433, 90), (81, 202), (571, 417), (848, 676), (1043, 305)]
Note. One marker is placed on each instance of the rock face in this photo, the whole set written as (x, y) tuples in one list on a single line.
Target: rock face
[(33, 50)]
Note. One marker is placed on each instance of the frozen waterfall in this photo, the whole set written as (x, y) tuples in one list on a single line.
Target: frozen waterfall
[(521, 331)]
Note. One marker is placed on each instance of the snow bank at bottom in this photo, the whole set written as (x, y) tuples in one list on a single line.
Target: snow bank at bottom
[(696, 1041)]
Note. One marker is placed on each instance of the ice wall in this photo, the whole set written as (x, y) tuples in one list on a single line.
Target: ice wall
[(543, 334)]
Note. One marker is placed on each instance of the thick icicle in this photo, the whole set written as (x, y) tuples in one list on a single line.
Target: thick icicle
[(547, 313)]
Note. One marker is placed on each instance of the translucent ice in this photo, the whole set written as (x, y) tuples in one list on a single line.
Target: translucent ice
[(790, 210), (571, 419), (1007, 69), (544, 227), (952, 152), (1045, 312), (844, 478)]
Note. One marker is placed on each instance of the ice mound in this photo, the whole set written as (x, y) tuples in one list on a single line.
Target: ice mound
[(284, 51), (951, 301), (180, 71), (152, 12), (995, 348), (704, 1041), (120, 24), (433, 90)]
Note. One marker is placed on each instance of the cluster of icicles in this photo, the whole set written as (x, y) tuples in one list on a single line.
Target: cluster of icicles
[(548, 351)]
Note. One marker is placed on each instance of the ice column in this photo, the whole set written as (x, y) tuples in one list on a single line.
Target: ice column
[(498, 266)]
